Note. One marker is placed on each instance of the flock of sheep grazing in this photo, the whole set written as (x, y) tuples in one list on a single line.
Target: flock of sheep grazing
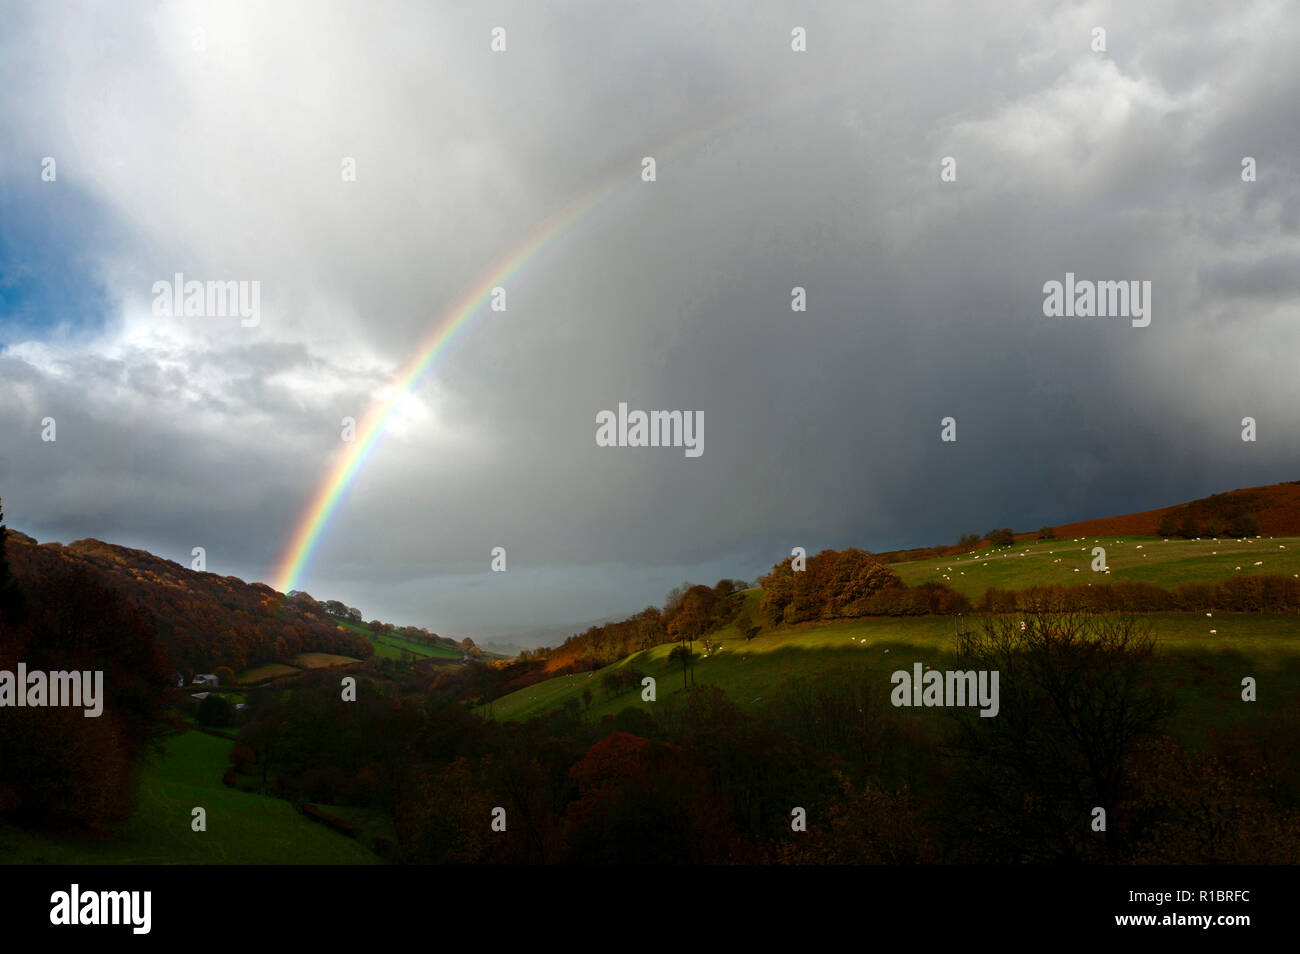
[(1084, 549)]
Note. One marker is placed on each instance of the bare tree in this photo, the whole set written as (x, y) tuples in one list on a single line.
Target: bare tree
[(1076, 702), (682, 653)]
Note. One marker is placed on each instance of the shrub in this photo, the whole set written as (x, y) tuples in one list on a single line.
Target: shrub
[(215, 711), (1243, 525)]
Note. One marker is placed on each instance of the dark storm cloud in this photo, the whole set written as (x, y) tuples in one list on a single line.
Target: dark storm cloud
[(817, 169)]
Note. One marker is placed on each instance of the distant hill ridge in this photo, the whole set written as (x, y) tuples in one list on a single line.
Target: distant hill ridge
[(1274, 510), (1274, 507), (203, 620)]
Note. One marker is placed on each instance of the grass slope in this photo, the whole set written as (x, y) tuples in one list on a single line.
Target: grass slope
[(241, 828), (321, 660), (1137, 559), (251, 677), (1204, 670), (391, 646)]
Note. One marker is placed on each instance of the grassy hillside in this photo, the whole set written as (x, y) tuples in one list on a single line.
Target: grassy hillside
[(242, 828), (1275, 507), (1204, 669), (391, 646), (203, 620), (251, 677), (1140, 559), (321, 660)]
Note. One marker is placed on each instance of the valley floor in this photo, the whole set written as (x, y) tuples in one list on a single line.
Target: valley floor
[(242, 828)]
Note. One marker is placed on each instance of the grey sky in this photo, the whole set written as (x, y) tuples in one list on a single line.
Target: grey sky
[(818, 169)]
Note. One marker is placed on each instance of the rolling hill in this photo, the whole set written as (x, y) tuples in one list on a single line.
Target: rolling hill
[(1275, 507), (756, 671), (203, 620)]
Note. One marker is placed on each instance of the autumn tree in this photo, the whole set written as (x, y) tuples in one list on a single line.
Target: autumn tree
[(833, 584), (55, 764), (645, 802), (649, 627), (694, 616)]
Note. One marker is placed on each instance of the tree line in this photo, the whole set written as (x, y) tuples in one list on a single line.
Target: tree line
[(1254, 593)]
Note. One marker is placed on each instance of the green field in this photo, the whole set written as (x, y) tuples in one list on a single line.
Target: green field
[(241, 828), (1203, 669), (1137, 559), (386, 647), (321, 660), (391, 646), (266, 671)]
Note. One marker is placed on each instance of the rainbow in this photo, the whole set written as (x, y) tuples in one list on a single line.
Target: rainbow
[(315, 519)]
